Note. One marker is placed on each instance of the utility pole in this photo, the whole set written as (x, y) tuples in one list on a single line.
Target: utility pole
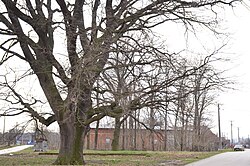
[(232, 133), (220, 140), (4, 129), (238, 135)]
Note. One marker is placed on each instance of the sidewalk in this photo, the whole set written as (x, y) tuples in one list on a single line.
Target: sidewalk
[(14, 149)]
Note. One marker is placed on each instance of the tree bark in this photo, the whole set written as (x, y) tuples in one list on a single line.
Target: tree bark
[(116, 138), (71, 144), (96, 134), (166, 130), (73, 131)]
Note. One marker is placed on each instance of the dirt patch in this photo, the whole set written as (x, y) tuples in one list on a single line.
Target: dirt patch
[(98, 154), (171, 163)]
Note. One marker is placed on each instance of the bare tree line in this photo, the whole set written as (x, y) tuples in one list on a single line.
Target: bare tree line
[(171, 86)]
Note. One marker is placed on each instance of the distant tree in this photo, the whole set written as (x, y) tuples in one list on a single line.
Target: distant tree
[(206, 81), (32, 32), (13, 134), (130, 82), (196, 94)]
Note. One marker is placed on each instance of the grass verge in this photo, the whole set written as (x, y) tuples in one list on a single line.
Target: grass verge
[(6, 146), (111, 158)]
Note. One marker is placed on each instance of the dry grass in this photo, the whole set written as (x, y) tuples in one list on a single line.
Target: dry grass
[(119, 158)]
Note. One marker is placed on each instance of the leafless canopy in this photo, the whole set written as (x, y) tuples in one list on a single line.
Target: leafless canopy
[(93, 30)]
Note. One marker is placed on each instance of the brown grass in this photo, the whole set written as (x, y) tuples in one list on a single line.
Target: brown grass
[(110, 158)]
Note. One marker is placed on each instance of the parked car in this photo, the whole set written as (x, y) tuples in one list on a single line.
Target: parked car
[(239, 148)]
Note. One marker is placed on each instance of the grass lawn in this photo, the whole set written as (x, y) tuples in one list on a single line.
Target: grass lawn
[(117, 158), (6, 147)]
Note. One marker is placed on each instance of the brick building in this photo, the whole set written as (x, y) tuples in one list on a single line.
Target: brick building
[(148, 140)]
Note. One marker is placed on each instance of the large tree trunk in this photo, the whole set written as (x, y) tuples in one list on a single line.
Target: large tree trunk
[(73, 129), (116, 138), (71, 145)]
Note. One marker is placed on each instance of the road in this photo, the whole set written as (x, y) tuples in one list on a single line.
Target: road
[(14, 149), (226, 159)]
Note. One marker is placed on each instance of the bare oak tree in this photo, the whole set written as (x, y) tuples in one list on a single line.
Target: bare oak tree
[(30, 31)]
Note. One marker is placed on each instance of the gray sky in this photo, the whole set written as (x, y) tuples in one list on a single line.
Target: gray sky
[(235, 104)]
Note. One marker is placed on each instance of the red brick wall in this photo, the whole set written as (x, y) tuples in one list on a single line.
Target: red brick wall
[(147, 140), (143, 139)]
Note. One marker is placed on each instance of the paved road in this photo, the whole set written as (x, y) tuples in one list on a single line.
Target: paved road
[(14, 149), (226, 159)]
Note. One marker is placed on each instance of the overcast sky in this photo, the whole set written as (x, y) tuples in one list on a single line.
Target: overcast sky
[(235, 104)]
